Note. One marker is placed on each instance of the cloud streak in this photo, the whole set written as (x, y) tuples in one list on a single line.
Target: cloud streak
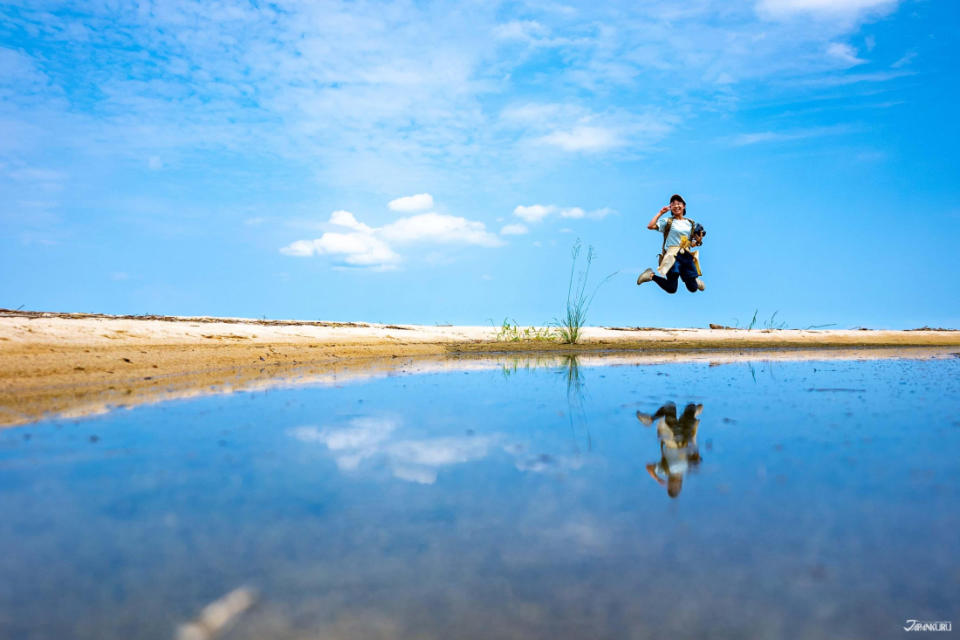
[(824, 8), (534, 213), (762, 137)]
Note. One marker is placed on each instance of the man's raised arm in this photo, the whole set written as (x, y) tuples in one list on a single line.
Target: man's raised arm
[(653, 223)]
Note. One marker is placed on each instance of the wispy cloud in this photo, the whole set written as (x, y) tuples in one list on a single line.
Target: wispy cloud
[(537, 212), (828, 8), (844, 53), (574, 128), (514, 230), (523, 30), (590, 139), (854, 78), (760, 137), (36, 175), (904, 60)]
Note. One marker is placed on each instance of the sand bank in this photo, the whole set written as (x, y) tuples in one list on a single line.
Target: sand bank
[(64, 365)]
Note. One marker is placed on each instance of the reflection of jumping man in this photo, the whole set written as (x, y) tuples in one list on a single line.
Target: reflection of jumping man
[(678, 444)]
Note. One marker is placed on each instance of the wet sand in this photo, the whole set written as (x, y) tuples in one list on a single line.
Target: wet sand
[(70, 365)]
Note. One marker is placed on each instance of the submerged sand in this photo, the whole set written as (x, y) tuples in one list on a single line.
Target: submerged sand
[(68, 365)]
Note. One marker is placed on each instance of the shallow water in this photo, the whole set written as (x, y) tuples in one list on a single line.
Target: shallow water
[(787, 499)]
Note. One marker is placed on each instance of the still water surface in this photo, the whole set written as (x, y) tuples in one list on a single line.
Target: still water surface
[(763, 499)]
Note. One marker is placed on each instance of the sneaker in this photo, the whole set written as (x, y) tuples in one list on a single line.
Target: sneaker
[(700, 285), (646, 276)]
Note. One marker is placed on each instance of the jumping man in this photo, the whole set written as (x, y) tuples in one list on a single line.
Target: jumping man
[(677, 261)]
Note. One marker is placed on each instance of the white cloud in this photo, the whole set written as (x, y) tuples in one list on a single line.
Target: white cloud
[(370, 246), (346, 219), (358, 249), (418, 202), (299, 248), (586, 138), (534, 212), (355, 249), (844, 53), (513, 230), (573, 212), (442, 229)]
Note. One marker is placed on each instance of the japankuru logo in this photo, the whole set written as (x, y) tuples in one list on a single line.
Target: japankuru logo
[(926, 625)]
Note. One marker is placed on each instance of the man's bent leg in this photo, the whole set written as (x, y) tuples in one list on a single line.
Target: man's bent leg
[(687, 270), (668, 284)]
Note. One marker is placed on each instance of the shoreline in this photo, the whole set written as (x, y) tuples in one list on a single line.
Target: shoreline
[(72, 365)]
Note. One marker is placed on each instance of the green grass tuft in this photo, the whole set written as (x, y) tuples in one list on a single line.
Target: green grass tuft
[(572, 322), (514, 333)]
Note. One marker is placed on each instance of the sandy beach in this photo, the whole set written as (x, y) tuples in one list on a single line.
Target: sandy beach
[(69, 365)]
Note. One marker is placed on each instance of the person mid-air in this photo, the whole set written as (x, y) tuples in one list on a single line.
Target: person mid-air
[(676, 260)]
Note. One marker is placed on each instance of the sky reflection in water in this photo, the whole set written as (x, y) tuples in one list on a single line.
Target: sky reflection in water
[(801, 499)]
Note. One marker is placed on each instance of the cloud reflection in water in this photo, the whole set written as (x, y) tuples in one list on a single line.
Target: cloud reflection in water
[(414, 460), (418, 460)]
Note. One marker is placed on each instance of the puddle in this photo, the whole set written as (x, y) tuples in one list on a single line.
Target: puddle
[(568, 500)]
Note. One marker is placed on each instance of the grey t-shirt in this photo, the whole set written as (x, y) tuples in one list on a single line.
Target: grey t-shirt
[(677, 228)]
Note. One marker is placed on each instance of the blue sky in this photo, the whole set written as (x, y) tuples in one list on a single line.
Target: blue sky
[(421, 162)]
